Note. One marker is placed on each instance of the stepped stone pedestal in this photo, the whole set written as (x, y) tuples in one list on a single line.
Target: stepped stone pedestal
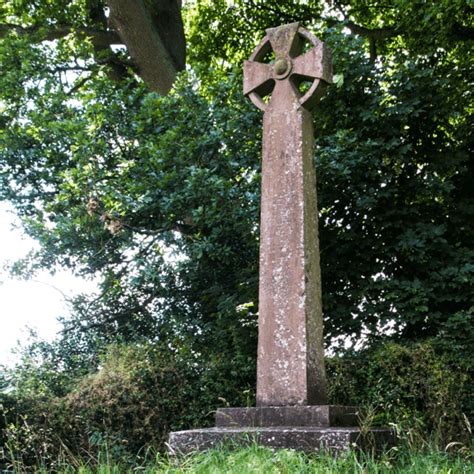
[(306, 428)]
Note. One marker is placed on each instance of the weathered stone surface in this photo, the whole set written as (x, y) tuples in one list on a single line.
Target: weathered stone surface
[(290, 366), (309, 439), (296, 416)]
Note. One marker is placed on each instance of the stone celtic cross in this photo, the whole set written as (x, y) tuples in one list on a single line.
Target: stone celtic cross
[(292, 410), (290, 367)]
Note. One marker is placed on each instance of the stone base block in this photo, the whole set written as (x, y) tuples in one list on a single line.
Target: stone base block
[(304, 438), (310, 415)]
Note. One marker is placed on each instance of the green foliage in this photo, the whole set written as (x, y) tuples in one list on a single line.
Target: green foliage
[(228, 30), (415, 388), (143, 391), (157, 202), (158, 197), (138, 395), (393, 178)]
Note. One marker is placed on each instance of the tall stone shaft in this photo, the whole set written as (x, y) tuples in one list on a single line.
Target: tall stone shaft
[(290, 365), (290, 345)]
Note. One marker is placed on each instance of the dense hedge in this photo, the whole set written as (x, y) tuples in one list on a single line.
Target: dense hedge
[(141, 392), (413, 386)]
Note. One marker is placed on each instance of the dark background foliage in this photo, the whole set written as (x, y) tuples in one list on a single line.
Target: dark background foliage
[(158, 197)]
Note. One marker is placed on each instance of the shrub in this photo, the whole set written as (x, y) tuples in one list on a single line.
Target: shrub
[(412, 386), (140, 393), (143, 391)]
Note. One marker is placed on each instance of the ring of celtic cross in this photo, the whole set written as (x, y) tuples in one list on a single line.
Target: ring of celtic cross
[(291, 63)]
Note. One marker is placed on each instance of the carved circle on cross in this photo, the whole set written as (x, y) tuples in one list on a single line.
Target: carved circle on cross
[(292, 63)]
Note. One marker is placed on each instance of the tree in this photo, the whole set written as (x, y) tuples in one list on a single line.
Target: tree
[(152, 31), (159, 195)]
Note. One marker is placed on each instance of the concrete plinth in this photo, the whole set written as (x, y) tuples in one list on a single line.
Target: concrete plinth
[(309, 415), (303, 438), (306, 428)]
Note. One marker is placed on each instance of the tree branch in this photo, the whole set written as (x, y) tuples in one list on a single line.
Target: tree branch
[(375, 34), (79, 84), (39, 34), (153, 39), (373, 49), (185, 229), (117, 70)]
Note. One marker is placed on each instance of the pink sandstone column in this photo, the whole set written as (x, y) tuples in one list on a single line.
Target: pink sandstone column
[(290, 366)]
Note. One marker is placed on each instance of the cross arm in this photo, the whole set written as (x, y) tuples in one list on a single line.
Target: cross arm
[(314, 64), (258, 77)]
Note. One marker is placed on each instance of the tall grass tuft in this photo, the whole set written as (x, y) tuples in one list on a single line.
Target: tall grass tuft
[(256, 459)]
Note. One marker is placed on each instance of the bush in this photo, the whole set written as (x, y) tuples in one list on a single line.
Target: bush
[(143, 391), (413, 387), (140, 393)]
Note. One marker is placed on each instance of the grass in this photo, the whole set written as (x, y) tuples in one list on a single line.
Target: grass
[(259, 460)]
